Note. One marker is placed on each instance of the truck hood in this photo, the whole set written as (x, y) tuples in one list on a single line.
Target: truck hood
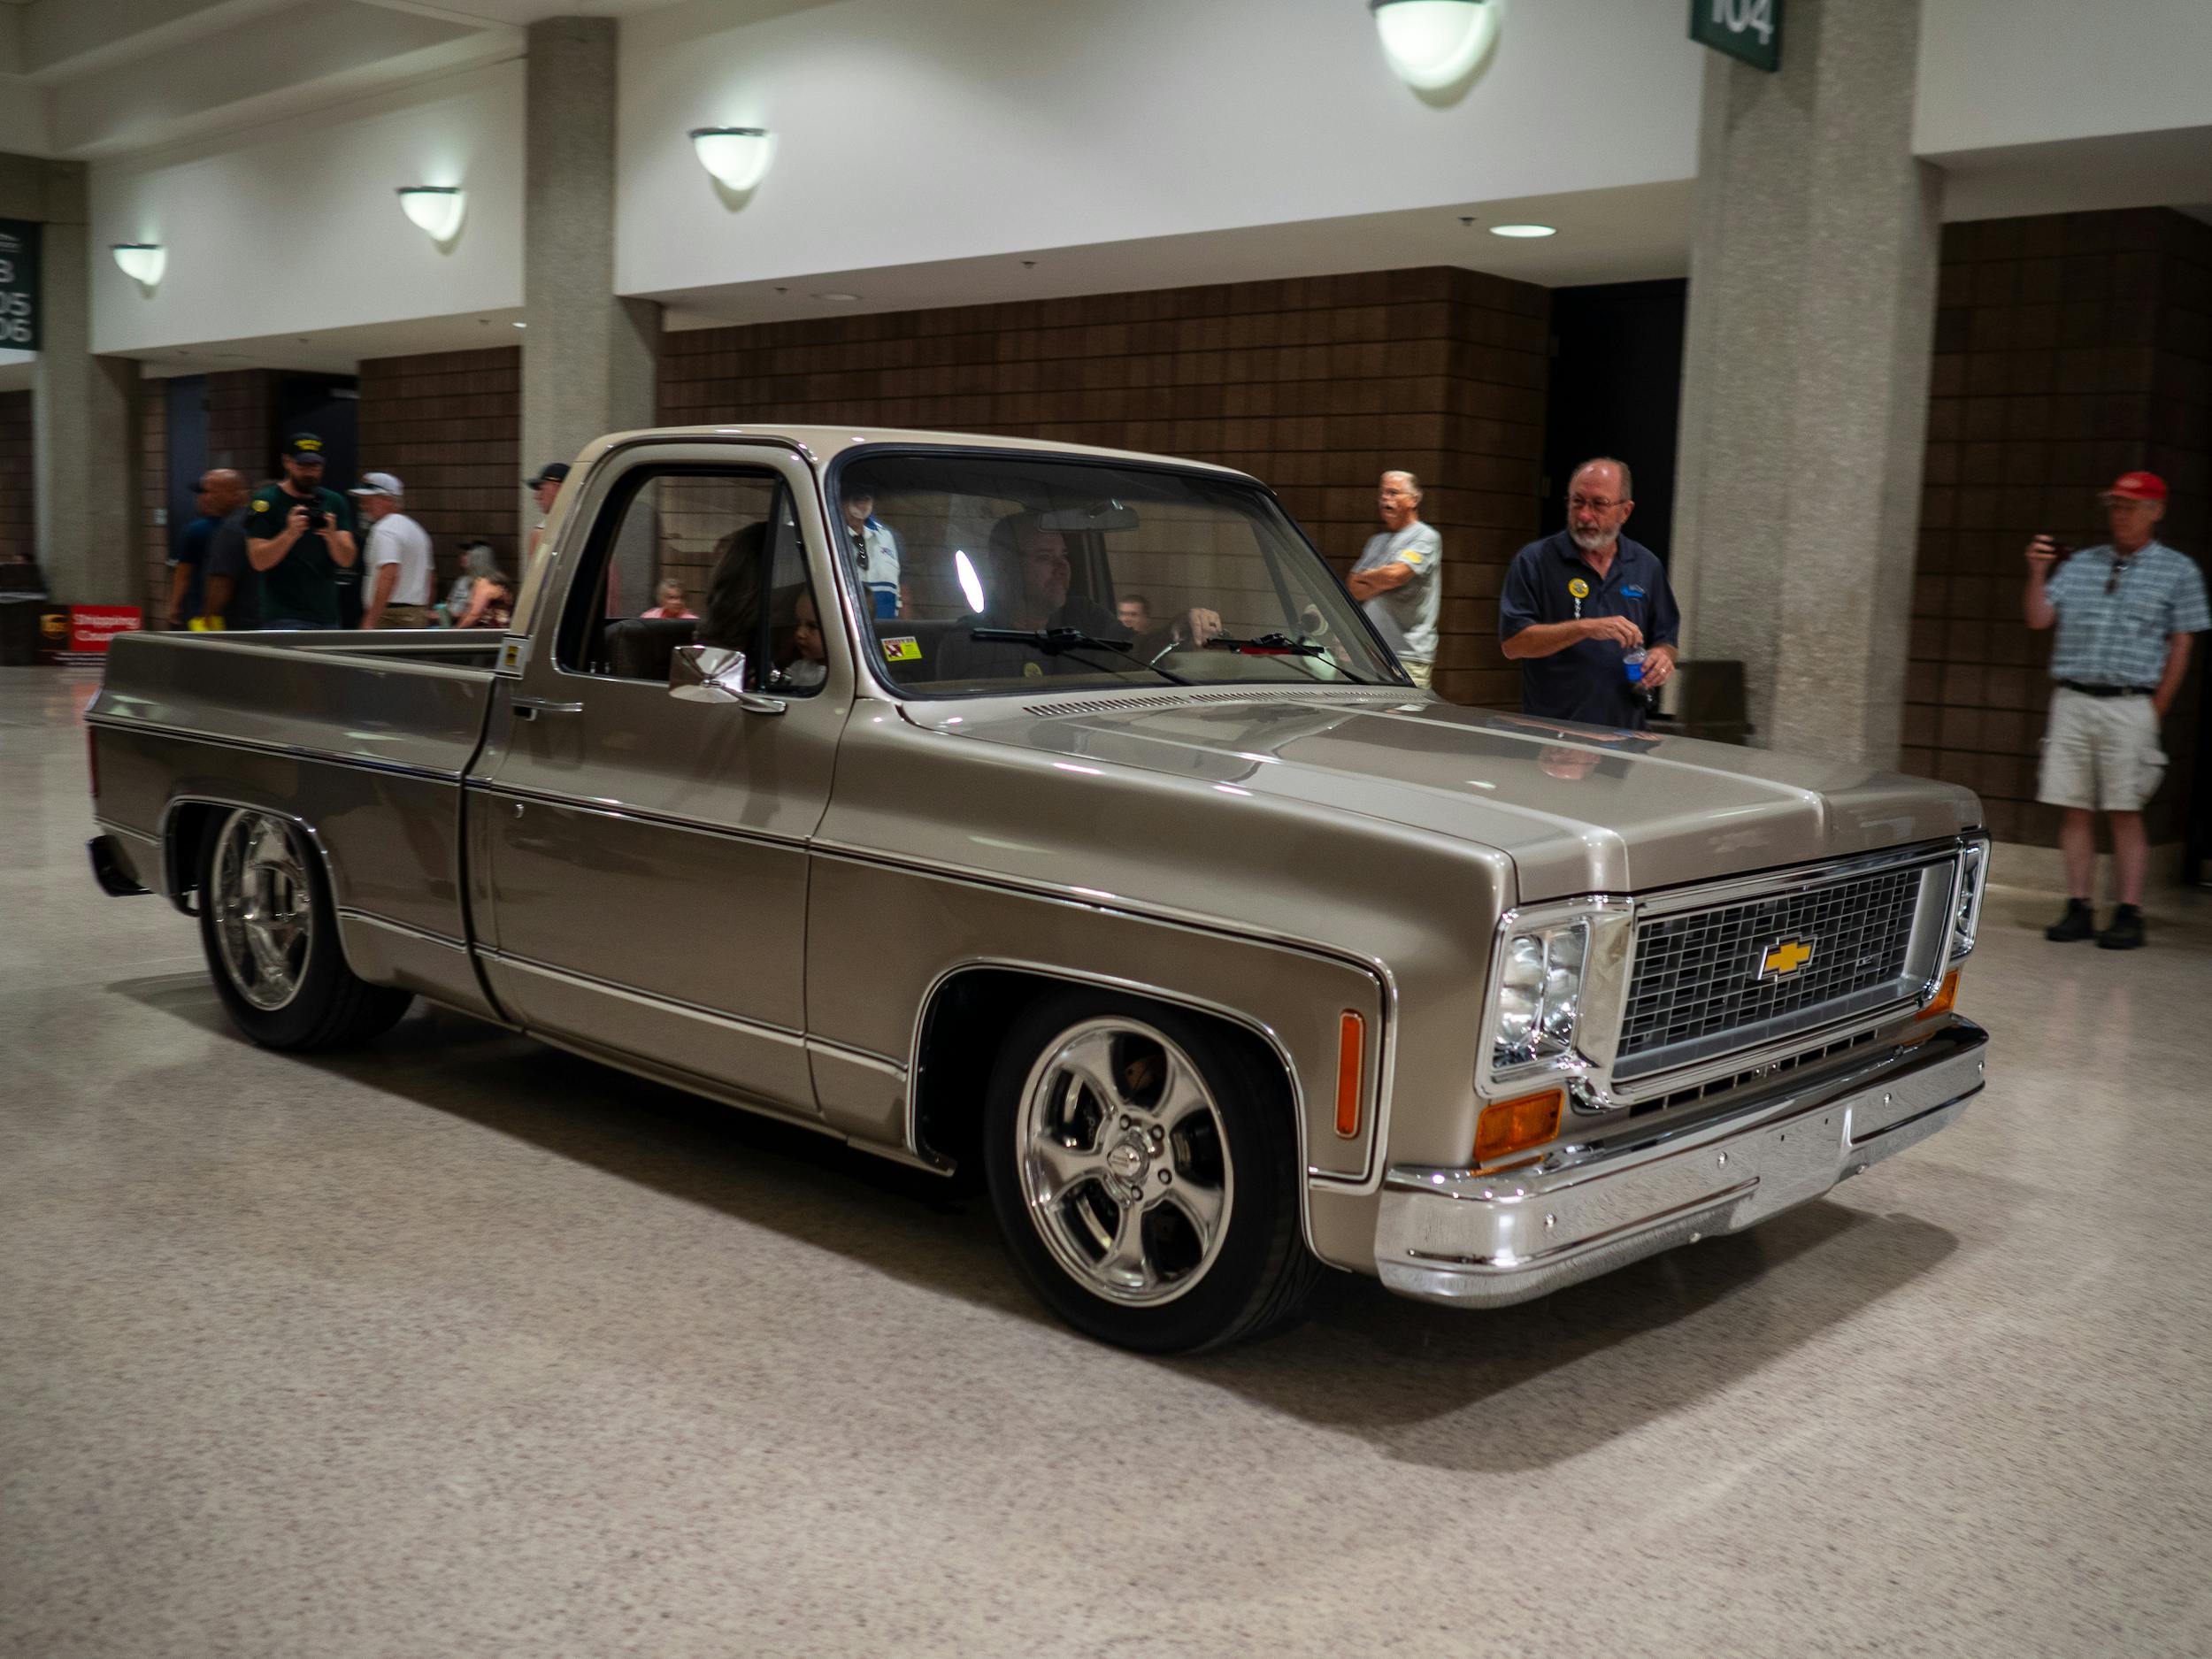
[(1578, 808)]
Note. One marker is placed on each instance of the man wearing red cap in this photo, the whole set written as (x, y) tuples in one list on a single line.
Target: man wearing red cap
[(2124, 613)]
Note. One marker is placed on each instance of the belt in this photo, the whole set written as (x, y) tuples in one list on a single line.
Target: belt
[(2106, 691)]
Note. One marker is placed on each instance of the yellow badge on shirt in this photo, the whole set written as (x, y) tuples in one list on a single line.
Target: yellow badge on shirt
[(1579, 589), (1411, 555), (261, 506)]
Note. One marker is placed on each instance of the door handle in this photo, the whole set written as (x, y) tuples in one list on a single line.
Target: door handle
[(530, 708)]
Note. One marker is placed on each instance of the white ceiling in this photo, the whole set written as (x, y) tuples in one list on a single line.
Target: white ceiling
[(87, 78)]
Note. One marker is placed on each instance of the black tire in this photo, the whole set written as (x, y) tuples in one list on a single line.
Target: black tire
[(327, 1006), (1241, 1155)]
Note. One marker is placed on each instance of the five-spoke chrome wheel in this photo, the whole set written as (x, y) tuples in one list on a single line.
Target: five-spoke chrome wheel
[(262, 908), (1124, 1162)]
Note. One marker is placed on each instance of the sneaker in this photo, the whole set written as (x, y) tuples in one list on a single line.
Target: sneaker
[(2126, 931), (2079, 922)]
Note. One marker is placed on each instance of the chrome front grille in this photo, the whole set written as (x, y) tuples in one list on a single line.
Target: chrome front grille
[(1709, 982)]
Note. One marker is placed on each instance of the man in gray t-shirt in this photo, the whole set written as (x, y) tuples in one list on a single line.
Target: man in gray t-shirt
[(1399, 579)]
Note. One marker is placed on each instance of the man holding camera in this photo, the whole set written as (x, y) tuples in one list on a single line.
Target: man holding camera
[(299, 536), (2125, 613)]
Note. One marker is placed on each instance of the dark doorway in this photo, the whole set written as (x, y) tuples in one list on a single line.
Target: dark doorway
[(187, 452), (1616, 389)]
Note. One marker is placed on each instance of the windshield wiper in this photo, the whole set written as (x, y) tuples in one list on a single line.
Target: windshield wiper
[(1066, 642), (1282, 645)]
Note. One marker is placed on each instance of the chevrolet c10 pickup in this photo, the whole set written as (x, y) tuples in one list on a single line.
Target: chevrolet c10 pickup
[(1052, 818)]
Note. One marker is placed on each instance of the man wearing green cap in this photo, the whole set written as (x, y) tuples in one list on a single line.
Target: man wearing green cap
[(299, 536)]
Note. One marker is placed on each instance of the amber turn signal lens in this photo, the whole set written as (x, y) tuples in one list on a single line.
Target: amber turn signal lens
[(1351, 1050), (1944, 998), (1514, 1125)]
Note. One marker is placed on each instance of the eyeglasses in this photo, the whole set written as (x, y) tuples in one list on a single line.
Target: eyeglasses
[(1592, 503)]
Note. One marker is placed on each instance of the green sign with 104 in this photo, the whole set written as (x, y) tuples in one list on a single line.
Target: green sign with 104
[(19, 285), (1749, 29)]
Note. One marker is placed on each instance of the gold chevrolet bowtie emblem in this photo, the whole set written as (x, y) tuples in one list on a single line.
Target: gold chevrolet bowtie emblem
[(1786, 958)]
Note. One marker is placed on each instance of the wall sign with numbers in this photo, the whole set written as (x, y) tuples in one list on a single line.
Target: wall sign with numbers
[(19, 285), (1749, 29)]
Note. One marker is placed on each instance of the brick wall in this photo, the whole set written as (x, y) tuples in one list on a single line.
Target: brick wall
[(2070, 349), (17, 531), (449, 425), (1314, 385), (153, 497)]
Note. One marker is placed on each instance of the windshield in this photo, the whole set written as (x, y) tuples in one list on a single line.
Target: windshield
[(983, 574)]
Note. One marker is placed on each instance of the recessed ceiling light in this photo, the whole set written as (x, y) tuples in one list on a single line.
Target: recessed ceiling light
[(847, 298), (522, 324), (1523, 230)]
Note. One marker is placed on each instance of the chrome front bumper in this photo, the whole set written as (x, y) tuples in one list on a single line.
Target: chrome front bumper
[(1488, 1240)]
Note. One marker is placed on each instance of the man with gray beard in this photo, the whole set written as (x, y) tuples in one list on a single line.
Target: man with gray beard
[(1587, 613)]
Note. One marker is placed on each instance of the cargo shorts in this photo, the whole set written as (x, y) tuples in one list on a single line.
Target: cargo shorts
[(2102, 753)]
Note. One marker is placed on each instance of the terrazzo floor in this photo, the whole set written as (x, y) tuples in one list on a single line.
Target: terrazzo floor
[(460, 1346)]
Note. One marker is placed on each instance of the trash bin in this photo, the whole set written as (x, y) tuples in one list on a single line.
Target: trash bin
[(20, 614)]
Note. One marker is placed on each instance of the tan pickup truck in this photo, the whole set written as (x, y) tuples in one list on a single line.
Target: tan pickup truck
[(1052, 817)]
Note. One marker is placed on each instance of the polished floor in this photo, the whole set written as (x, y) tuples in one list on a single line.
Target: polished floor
[(457, 1346)]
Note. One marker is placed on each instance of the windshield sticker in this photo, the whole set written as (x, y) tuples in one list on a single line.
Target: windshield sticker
[(905, 649)]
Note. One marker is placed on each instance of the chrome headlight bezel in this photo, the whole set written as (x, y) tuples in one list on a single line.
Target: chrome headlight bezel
[(1558, 972), (1966, 901)]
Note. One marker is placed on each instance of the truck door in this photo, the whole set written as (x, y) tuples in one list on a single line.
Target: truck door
[(647, 848)]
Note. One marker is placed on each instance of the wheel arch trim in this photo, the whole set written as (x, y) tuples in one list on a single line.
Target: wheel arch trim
[(1080, 979), (181, 877)]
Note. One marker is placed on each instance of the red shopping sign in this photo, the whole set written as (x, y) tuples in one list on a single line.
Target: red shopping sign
[(92, 626)]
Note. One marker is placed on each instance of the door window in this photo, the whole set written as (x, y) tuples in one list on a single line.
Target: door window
[(690, 554)]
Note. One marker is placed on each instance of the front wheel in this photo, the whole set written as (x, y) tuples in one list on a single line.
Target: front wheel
[(271, 933), (1144, 1170)]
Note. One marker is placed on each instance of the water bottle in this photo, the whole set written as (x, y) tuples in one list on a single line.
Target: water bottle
[(1633, 662)]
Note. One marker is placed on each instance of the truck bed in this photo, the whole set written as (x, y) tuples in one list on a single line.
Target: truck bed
[(347, 734)]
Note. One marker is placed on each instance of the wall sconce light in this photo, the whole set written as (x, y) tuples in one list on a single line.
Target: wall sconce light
[(1433, 44), (436, 209), (736, 156), (142, 261)]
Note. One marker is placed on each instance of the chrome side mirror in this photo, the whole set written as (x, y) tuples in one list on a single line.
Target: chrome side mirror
[(715, 673)]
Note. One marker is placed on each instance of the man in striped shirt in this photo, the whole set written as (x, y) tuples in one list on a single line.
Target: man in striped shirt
[(2125, 614)]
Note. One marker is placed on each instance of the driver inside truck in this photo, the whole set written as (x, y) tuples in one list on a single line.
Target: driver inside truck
[(1031, 574)]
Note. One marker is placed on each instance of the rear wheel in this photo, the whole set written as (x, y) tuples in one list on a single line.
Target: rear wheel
[(1144, 1171), (270, 934)]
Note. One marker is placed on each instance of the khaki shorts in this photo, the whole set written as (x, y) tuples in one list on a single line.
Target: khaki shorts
[(1420, 671), (407, 617), (2100, 752)]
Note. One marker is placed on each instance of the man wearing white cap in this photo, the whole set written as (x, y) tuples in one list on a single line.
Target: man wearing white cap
[(396, 558)]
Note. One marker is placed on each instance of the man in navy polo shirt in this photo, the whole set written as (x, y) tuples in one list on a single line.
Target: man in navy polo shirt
[(1576, 602)]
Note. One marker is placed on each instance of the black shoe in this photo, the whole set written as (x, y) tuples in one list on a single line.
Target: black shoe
[(2126, 931), (2079, 922)]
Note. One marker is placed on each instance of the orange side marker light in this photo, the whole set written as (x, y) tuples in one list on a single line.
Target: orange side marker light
[(1351, 1050)]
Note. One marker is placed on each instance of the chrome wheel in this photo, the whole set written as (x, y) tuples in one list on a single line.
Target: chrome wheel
[(1124, 1162), (263, 909)]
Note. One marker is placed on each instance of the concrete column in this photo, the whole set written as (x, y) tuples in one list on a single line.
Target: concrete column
[(84, 443), (589, 359), (1805, 377)]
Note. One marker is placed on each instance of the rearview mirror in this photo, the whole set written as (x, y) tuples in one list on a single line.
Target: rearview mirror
[(1098, 515)]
